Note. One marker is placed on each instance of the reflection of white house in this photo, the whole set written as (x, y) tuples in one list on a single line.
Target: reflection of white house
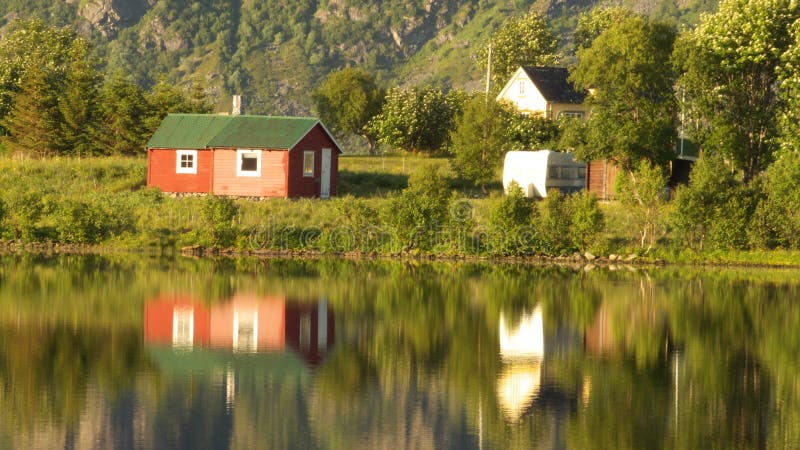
[(538, 172), (544, 90), (522, 352)]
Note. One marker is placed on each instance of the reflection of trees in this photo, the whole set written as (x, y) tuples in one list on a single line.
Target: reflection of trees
[(694, 359), (45, 371)]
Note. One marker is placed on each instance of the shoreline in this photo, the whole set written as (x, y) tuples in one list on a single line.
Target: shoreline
[(577, 261)]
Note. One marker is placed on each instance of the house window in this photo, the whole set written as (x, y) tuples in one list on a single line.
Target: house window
[(554, 172), (308, 163), (521, 88), (570, 115), (182, 328), (186, 161), (248, 163)]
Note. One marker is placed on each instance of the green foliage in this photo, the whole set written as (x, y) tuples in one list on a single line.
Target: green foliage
[(80, 222), (421, 213), (218, 214), (24, 208), (522, 41), (347, 100), (417, 119), (555, 223), (509, 227), (633, 105), (528, 132), (587, 219), (643, 192), (700, 205), (479, 141), (729, 63), (776, 223), (594, 22)]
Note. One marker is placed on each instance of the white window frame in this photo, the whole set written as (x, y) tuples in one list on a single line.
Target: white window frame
[(248, 173), (313, 162), (189, 170), (521, 92)]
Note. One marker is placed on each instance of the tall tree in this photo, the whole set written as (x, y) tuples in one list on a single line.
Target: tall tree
[(417, 120), (789, 77), (730, 78), (628, 71), (33, 123), (347, 100), (521, 41), (593, 23), (479, 140), (124, 112)]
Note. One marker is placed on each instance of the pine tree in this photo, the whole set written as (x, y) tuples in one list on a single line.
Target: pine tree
[(34, 122)]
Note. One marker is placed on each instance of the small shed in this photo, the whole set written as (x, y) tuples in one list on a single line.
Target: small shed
[(248, 156), (536, 172)]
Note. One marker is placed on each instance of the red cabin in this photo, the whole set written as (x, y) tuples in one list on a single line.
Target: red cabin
[(247, 156)]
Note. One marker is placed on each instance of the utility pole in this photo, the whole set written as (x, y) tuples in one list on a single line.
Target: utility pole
[(488, 72)]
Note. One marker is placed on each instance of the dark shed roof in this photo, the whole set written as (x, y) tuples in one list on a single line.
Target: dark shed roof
[(554, 85), (196, 131)]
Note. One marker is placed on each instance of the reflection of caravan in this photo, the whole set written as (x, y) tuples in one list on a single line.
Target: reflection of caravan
[(522, 352), (537, 172)]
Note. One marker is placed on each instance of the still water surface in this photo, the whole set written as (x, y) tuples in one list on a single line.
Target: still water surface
[(135, 352)]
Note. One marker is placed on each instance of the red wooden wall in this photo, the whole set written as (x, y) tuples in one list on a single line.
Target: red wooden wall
[(316, 140), (161, 172), (601, 175), (271, 183)]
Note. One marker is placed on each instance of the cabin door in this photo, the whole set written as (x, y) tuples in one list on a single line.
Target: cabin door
[(325, 174)]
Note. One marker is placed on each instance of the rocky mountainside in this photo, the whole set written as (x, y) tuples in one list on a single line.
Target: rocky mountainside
[(275, 52)]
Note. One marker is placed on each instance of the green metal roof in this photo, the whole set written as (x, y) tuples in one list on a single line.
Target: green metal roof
[(194, 131)]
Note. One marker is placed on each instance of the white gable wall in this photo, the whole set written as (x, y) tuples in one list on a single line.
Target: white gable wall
[(529, 100)]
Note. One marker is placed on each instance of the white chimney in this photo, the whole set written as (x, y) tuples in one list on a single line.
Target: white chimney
[(237, 105)]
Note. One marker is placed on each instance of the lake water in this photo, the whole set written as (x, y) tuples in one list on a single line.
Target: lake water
[(119, 352)]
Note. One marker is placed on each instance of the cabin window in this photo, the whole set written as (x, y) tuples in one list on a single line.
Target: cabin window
[(554, 172), (186, 161), (182, 327), (308, 163), (248, 163), (521, 84), (570, 115), (582, 172)]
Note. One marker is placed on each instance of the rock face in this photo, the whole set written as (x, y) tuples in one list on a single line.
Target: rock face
[(108, 16)]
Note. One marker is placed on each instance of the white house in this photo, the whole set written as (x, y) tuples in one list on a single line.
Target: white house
[(537, 172), (544, 90)]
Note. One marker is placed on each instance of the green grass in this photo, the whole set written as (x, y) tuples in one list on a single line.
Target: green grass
[(40, 199)]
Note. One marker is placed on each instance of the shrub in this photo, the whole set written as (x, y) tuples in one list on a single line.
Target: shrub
[(643, 192), (555, 224), (78, 222), (218, 214), (776, 221), (587, 219), (421, 212), (23, 209), (509, 225)]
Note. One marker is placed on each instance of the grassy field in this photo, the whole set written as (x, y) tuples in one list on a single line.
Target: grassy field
[(104, 201)]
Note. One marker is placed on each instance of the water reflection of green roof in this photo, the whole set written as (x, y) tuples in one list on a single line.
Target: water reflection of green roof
[(172, 361)]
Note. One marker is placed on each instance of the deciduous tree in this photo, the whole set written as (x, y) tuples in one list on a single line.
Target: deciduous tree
[(347, 100), (629, 74), (479, 141), (730, 78), (521, 41), (417, 119)]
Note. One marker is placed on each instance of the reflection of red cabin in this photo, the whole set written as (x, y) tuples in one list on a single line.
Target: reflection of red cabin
[(245, 323), (599, 337)]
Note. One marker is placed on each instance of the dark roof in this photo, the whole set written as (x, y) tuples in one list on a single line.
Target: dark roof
[(197, 131), (553, 84)]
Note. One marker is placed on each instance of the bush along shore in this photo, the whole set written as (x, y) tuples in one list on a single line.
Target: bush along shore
[(73, 205)]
